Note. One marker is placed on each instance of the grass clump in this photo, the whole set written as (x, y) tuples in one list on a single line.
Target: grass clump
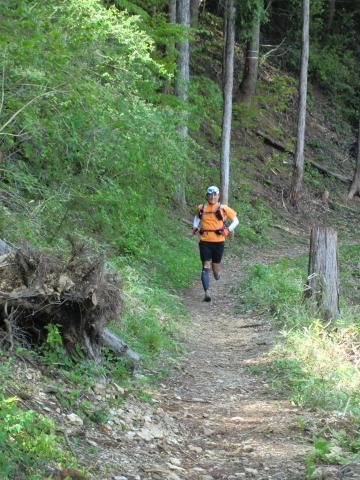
[(151, 316), (275, 288), (28, 439), (313, 364)]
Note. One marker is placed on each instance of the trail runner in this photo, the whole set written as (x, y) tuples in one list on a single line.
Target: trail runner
[(209, 223)]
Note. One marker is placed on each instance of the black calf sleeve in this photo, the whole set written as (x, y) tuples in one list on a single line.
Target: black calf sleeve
[(205, 278)]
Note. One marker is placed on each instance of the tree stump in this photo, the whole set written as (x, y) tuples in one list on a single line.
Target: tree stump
[(323, 271), (77, 294)]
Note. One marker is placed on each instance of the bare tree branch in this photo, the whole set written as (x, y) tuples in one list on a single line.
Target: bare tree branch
[(23, 108), (3, 86)]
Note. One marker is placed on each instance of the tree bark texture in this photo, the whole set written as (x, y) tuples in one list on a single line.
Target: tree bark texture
[(182, 83), (355, 186), (330, 16), (248, 85), (172, 11), (194, 12), (228, 75), (323, 271), (298, 171)]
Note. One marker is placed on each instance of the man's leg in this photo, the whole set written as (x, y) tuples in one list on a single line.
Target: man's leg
[(205, 279), (217, 254), (205, 255), (216, 270)]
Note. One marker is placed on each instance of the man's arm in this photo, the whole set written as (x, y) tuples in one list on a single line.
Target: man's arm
[(196, 222), (233, 224)]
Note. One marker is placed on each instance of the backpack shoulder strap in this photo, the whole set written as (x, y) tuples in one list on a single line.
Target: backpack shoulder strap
[(201, 211)]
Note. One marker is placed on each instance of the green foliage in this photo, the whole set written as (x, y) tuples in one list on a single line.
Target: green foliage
[(277, 94), (272, 288), (335, 69), (312, 175), (247, 13), (320, 452), (254, 217), (94, 155), (312, 364), (27, 441), (150, 317), (206, 106), (349, 260), (246, 114), (52, 350), (333, 63)]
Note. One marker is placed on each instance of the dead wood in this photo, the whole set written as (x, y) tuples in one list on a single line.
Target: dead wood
[(78, 294), (111, 340), (322, 169), (286, 229), (323, 282), (5, 247), (279, 146), (273, 143)]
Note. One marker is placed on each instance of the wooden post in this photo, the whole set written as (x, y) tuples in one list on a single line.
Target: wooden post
[(323, 271)]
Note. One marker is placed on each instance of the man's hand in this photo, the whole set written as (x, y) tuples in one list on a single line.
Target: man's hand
[(226, 232), (194, 231)]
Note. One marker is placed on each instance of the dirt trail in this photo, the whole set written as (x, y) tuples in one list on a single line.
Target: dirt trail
[(232, 424), (212, 418)]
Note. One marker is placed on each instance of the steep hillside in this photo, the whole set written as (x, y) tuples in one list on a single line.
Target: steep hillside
[(90, 150)]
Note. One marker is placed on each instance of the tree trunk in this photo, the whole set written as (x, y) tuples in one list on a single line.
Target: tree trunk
[(182, 84), (172, 11), (298, 172), (330, 16), (228, 69), (171, 47), (355, 186), (248, 85), (323, 271), (194, 12)]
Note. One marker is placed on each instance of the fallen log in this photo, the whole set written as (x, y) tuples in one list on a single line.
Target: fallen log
[(282, 148), (5, 247), (322, 169), (111, 340), (77, 294), (273, 143)]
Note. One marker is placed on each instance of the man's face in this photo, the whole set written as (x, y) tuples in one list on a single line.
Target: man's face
[(212, 198)]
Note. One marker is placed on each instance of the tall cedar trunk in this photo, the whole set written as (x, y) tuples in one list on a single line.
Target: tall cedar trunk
[(194, 12), (323, 271), (228, 75), (182, 81), (298, 171), (171, 49), (355, 186), (330, 16), (248, 85), (172, 11)]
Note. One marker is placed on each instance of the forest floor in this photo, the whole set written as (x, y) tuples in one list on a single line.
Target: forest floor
[(212, 417), (235, 426)]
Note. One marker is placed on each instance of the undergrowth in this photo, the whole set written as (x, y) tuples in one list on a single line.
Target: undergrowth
[(29, 440), (315, 363)]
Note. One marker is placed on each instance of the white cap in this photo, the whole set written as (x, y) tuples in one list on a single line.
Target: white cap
[(212, 189)]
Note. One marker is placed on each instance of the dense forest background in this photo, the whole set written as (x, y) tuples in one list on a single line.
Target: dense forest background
[(89, 130), (92, 148)]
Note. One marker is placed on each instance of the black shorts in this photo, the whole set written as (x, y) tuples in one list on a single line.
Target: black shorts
[(211, 251)]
